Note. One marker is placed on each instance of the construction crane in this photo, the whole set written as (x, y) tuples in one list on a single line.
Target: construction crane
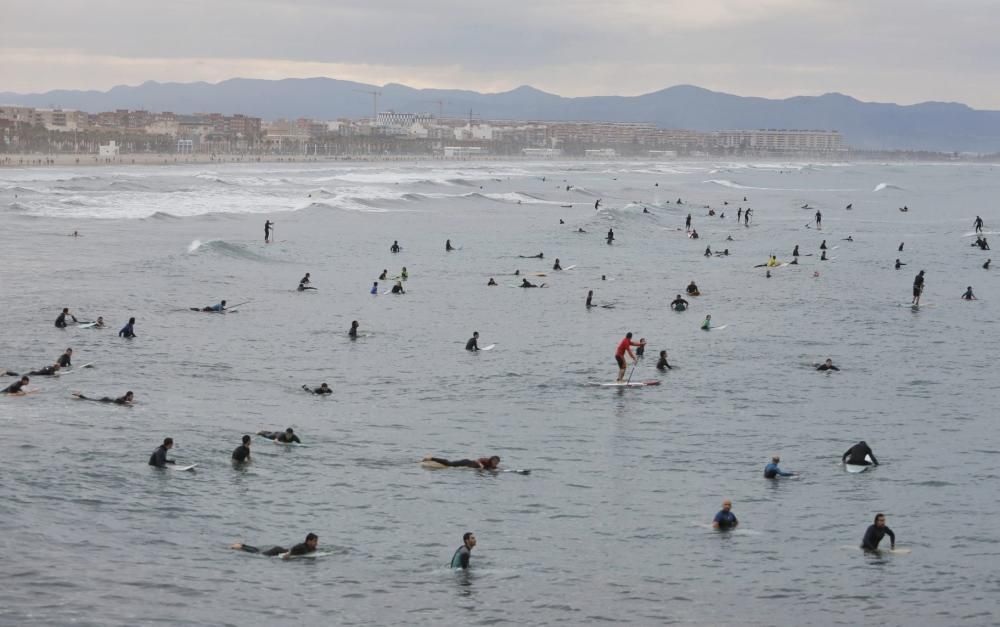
[(374, 95)]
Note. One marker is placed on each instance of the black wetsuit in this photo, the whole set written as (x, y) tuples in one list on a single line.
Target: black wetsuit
[(353, 332), (318, 390), (159, 457), (856, 455), (663, 365), (874, 535), (795, 253), (13, 388), (825, 367), (588, 303), (127, 331), (918, 285), (397, 289), (280, 436), (679, 304), (472, 344), (242, 453), (298, 549), (460, 463), (65, 361), (61, 320), (104, 399), (44, 372), (461, 557), (640, 350)]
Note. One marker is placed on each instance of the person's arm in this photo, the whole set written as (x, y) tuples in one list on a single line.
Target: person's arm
[(872, 455), (74, 318), (835, 368), (715, 521), (846, 455), (892, 537), (784, 474), (296, 439)]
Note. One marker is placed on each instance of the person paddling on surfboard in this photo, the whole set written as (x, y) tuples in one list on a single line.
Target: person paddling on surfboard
[(286, 437), (771, 471), (483, 463), (679, 304), (875, 533), (473, 343), (692, 289), (159, 456), (461, 557), (305, 548), (857, 453), (447, 246), (625, 346), (526, 283), (725, 518), (220, 307), (121, 400), (322, 389), (827, 365), (15, 388)]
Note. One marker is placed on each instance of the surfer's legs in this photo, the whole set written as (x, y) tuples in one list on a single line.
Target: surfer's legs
[(275, 550)]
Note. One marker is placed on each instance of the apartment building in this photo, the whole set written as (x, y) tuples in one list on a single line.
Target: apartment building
[(780, 140)]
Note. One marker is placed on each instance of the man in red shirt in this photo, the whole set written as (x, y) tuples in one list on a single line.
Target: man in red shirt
[(625, 346)]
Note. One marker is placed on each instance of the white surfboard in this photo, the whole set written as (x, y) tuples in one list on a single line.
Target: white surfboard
[(280, 443), (856, 468), (625, 384), (313, 555), (719, 328), (488, 348), (76, 368), (86, 325), (570, 267), (180, 468)]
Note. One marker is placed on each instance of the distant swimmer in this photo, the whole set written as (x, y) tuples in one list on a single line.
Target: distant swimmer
[(918, 287), (968, 295), (538, 256), (126, 399), (560, 220), (462, 555), (384, 276), (322, 389), (746, 216), (822, 256), (900, 249), (557, 266), (795, 252), (242, 452), (590, 298), (986, 266), (771, 471), (767, 274), (447, 246), (625, 347), (680, 202), (849, 207), (819, 219), (706, 325), (268, 226), (66, 359), (16, 388), (610, 236), (492, 283), (219, 307), (644, 210), (285, 437), (61, 320), (305, 280), (739, 214), (580, 230), (899, 264), (822, 246), (483, 463), (398, 288), (597, 204), (857, 453), (306, 548), (978, 224), (403, 274), (473, 343), (693, 234), (725, 519), (128, 330), (374, 289), (827, 365), (526, 283), (875, 533), (687, 223), (692, 289), (395, 248), (662, 364), (679, 304), (159, 456), (729, 238), (708, 251), (849, 238)]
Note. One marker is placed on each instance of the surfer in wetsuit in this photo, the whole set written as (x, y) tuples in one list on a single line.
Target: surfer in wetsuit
[(65, 360), (526, 283), (611, 235), (15, 387), (242, 452), (625, 346), (899, 264), (159, 456), (875, 533), (483, 463), (687, 223), (129, 329), (557, 266), (918, 287), (968, 295), (473, 343), (322, 389), (819, 219), (978, 224), (986, 266), (771, 471), (286, 437), (305, 548), (492, 283), (538, 256), (856, 455), (61, 320), (267, 231), (662, 364), (795, 253), (217, 308), (47, 371), (725, 518), (353, 332), (679, 304), (304, 283), (447, 246), (121, 400), (462, 555), (708, 251), (692, 289), (597, 204), (395, 247), (827, 365), (398, 288), (384, 275)]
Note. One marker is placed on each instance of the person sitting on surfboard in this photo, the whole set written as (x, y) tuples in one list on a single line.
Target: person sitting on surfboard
[(473, 343), (398, 288), (384, 275), (692, 289), (679, 304), (771, 471), (61, 320), (483, 463), (492, 283), (875, 533), (968, 295), (899, 264), (725, 519), (305, 548), (242, 452), (121, 400), (557, 266), (286, 437), (625, 346), (159, 456), (353, 332), (827, 365), (447, 246), (219, 307), (857, 453), (66, 359), (662, 364), (707, 324), (461, 557), (322, 389), (15, 387), (100, 323)]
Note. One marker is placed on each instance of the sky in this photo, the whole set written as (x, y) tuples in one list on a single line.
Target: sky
[(903, 51)]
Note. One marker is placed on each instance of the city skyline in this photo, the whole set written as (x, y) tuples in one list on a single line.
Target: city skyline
[(888, 51)]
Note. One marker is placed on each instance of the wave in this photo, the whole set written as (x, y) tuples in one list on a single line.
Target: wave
[(163, 215), (584, 191), (882, 186), (226, 249), (414, 197), (463, 182), (363, 205), (129, 186), (730, 184), (212, 177), (17, 189), (16, 206)]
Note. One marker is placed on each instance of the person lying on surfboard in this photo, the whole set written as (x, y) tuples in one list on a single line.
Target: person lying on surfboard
[(15, 387), (526, 283), (827, 365), (692, 289), (322, 389), (538, 256), (220, 307), (483, 463), (121, 400), (286, 437), (307, 547)]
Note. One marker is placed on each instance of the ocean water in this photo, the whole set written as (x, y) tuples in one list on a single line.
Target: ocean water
[(612, 524)]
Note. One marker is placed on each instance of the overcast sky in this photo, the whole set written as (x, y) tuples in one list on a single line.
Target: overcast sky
[(884, 50)]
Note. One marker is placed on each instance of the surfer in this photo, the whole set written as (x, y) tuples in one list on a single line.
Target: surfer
[(447, 246), (61, 320), (900, 249), (395, 247), (611, 235), (708, 251), (322, 389), (218, 308), (739, 214), (978, 224), (746, 216), (492, 283), (875, 533), (580, 230), (899, 264), (129, 329), (822, 256), (242, 452), (986, 266), (687, 223), (353, 331), (526, 283), (473, 343), (827, 365), (461, 557), (384, 276), (304, 283), (65, 360), (597, 204), (590, 297), (398, 288), (268, 225), (625, 346), (305, 548), (822, 246), (819, 219), (849, 238), (100, 323), (557, 266), (707, 324), (538, 256), (692, 289), (662, 364), (693, 234), (15, 388), (374, 289), (286, 437), (121, 400), (679, 304), (968, 295), (159, 456), (771, 471), (857, 453), (918, 287), (725, 519), (483, 463), (795, 252)]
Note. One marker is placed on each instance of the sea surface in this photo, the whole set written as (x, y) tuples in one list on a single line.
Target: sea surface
[(613, 523)]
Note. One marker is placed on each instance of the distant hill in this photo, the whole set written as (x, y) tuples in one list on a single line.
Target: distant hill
[(927, 126)]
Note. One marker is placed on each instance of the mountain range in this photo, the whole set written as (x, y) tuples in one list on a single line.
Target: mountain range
[(935, 126)]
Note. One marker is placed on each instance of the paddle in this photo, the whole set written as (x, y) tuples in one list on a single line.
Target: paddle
[(238, 304), (634, 363)]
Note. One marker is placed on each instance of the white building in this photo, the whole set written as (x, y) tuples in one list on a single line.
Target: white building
[(542, 153), (600, 153), (463, 152), (110, 150), (780, 140)]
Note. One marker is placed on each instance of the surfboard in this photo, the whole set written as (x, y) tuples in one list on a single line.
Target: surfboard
[(180, 468), (570, 267), (488, 348), (76, 368), (719, 328), (856, 468), (625, 384), (86, 325), (895, 551), (280, 443), (313, 555)]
